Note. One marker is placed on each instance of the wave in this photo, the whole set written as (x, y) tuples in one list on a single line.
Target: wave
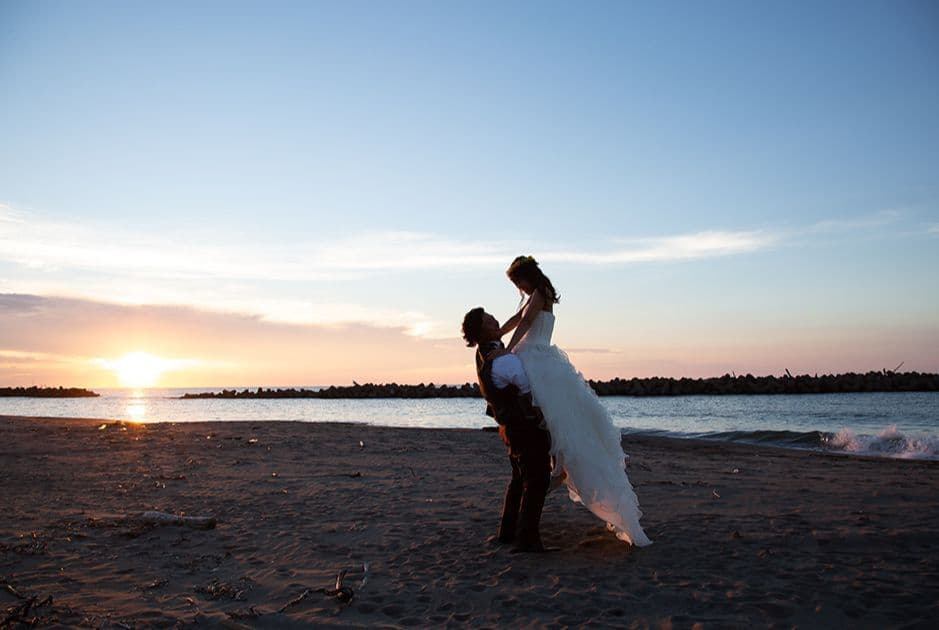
[(889, 442)]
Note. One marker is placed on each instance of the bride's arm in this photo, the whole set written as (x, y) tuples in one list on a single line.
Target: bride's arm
[(511, 323), (529, 313)]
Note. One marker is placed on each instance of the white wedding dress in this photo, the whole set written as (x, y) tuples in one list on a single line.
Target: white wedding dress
[(583, 439)]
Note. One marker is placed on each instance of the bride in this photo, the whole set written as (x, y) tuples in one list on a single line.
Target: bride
[(585, 444)]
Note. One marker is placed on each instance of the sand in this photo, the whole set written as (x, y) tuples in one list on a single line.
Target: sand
[(743, 536)]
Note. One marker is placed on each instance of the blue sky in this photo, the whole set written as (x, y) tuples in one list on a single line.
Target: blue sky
[(712, 186)]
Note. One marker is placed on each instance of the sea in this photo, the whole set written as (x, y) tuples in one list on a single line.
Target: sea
[(900, 425)]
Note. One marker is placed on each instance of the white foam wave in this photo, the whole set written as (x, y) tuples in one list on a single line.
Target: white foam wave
[(888, 443)]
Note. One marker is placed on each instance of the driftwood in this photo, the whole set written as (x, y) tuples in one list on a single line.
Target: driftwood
[(12, 591), (296, 600), (345, 594), (154, 518), (162, 518)]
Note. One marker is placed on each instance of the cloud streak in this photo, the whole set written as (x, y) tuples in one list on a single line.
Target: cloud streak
[(683, 247), (24, 356), (864, 222), (227, 274), (48, 245), (221, 272)]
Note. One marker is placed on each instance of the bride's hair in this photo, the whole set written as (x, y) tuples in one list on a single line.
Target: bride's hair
[(472, 326), (526, 268)]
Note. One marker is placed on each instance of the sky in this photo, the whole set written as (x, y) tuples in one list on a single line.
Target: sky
[(278, 193)]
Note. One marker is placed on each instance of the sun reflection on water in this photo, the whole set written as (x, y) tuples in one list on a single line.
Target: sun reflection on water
[(137, 407)]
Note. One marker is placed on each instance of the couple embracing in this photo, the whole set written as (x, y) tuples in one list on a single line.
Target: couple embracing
[(552, 422)]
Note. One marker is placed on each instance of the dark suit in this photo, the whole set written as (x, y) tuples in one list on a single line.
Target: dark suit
[(520, 425)]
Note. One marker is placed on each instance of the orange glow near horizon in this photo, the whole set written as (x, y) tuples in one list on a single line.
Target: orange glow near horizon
[(85, 344)]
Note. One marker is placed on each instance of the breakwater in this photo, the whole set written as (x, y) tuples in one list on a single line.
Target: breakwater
[(883, 381), (726, 385), (47, 392)]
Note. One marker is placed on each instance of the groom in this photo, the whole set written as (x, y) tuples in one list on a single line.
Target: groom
[(504, 385)]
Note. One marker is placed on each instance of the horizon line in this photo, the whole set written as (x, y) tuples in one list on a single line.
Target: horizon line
[(732, 374)]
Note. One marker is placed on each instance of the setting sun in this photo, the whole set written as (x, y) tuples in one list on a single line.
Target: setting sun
[(138, 369)]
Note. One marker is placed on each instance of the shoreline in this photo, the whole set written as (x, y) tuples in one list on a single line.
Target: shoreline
[(637, 435), (742, 535)]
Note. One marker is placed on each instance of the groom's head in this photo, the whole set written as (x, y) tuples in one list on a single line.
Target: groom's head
[(479, 327)]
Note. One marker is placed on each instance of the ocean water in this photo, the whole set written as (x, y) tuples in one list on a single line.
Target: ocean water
[(902, 425)]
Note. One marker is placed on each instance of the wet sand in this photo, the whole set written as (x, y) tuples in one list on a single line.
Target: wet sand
[(743, 536)]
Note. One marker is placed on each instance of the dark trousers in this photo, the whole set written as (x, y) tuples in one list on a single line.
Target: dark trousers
[(529, 454)]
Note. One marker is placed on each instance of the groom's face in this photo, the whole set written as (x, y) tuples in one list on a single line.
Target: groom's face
[(490, 326)]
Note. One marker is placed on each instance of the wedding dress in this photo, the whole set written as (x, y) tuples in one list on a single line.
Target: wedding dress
[(583, 439)]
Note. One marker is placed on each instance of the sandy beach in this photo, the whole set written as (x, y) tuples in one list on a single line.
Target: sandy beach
[(743, 536)]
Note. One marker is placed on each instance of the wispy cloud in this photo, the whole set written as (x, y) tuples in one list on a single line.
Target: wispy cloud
[(49, 245), (390, 251), (863, 222), (23, 356), (9, 215), (223, 273), (933, 228), (215, 271), (335, 314), (55, 246), (671, 248)]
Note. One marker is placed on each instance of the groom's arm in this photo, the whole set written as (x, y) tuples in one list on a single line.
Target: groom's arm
[(508, 370)]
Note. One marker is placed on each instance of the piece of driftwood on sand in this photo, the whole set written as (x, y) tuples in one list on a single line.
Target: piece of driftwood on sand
[(154, 518)]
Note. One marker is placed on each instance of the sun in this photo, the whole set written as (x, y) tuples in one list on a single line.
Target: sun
[(138, 369)]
